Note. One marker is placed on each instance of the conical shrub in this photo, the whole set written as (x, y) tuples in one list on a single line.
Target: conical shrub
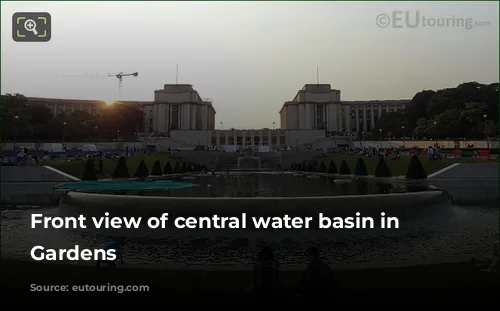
[(184, 168), (332, 168), (89, 172), (310, 167), (344, 168), (361, 167), (382, 170), (121, 170), (177, 168), (322, 167), (415, 169), (156, 171), (142, 170), (167, 169)]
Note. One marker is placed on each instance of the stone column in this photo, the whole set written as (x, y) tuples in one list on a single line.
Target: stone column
[(357, 118), (347, 115), (372, 117), (364, 119)]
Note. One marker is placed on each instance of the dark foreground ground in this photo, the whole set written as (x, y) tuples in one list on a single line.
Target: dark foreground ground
[(449, 282)]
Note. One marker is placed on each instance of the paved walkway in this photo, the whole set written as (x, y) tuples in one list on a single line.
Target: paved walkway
[(470, 183), (28, 185), (471, 171)]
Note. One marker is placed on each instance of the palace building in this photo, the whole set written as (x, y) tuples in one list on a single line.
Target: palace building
[(318, 106), (178, 111)]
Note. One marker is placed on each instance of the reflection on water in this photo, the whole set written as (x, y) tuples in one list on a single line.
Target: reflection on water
[(451, 232), (280, 185)]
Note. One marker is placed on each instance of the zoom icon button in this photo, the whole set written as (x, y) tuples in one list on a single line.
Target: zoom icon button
[(31, 27)]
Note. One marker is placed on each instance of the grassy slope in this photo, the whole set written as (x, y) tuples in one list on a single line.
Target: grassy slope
[(75, 168), (397, 167)]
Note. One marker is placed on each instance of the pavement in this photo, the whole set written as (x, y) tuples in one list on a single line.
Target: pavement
[(28, 185), (470, 183), (489, 170)]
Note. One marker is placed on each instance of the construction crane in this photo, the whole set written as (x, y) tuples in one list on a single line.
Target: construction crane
[(119, 76)]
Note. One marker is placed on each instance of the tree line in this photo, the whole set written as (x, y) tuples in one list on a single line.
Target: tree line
[(469, 110), (25, 121)]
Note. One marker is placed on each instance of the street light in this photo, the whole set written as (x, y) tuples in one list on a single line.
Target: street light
[(380, 137), (16, 118), (96, 135), (64, 132), (221, 125), (485, 116), (273, 125), (435, 128), (404, 138)]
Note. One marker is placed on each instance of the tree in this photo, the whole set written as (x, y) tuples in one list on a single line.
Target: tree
[(332, 168), (344, 168), (309, 167), (382, 170), (167, 169), (142, 170), (121, 170), (156, 171), (322, 167), (415, 169), (361, 167), (89, 172), (447, 113), (177, 168), (184, 168)]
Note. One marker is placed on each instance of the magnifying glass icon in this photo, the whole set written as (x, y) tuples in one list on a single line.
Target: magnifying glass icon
[(30, 25)]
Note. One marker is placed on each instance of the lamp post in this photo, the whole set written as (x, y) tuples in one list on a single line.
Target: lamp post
[(16, 118), (435, 128), (221, 125), (64, 132), (485, 116), (362, 138), (96, 135), (117, 135), (404, 138), (273, 125), (380, 137)]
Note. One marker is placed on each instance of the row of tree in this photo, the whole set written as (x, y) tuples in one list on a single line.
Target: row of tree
[(469, 110), (415, 169), (142, 171), (30, 121)]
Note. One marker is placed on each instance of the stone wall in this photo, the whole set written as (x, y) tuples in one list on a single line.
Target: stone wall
[(483, 144)]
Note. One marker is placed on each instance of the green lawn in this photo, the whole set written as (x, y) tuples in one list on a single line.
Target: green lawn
[(397, 167), (76, 167)]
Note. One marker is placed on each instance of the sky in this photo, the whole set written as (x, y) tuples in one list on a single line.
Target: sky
[(251, 57)]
